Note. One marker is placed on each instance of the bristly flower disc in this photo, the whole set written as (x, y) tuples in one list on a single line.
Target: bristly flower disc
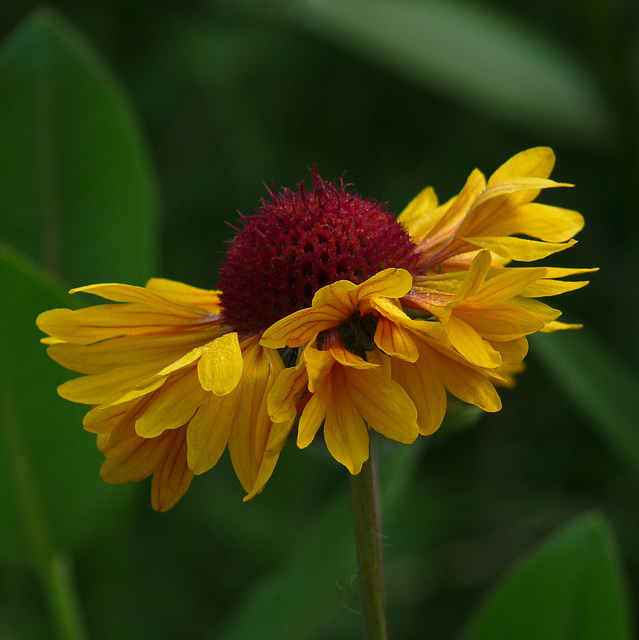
[(300, 241)]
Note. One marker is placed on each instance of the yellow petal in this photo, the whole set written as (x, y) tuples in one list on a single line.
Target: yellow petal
[(425, 389), (105, 388), (249, 435), (287, 389), (179, 292), (552, 224), (171, 406), (382, 403), (345, 432), (417, 217), (394, 341), (276, 440), (172, 477), (312, 416), (514, 186), (512, 351), (520, 249), (559, 326), (301, 327), (536, 162), (508, 321), (208, 431), (389, 283), (544, 288), (129, 457), (104, 321), (504, 285), (470, 344), (348, 358), (442, 234), (104, 356), (105, 418), (132, 294), (318, 365), (220, 365), (475, 277), (464, 382)]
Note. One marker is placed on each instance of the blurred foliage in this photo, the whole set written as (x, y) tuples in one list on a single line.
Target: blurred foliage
[(400, 95)]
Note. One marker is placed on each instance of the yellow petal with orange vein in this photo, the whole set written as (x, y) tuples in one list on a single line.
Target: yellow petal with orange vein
[(389, 283), (220, 365), (348, 358), (173, 477), (318, 365), (208, 431), (395, 341), (171, 406), (104, 321), (383, 404), (345, 432), (132, 294), (112, 386), (301, 327), (105, 418), (287, 389), (186, 294)]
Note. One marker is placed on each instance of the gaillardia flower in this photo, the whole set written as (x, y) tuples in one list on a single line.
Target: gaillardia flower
[(332, 314)]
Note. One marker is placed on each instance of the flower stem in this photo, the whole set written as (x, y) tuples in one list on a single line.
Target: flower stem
[(365, 505)]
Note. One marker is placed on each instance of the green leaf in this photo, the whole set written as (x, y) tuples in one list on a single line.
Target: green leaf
[(473, 54), (76, 190), (600, 384), (570, 589), (51, 497)]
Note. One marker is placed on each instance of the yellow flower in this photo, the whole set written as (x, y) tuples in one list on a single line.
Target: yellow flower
[(331, 315), (171, 385)]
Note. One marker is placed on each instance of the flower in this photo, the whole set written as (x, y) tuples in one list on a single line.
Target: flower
[(331, 315)]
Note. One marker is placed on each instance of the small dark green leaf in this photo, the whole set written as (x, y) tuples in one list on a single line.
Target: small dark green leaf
[(75, 185), (570, 589), (51, 494)]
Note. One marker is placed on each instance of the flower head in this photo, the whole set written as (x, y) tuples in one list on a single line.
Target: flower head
[(332, 315)]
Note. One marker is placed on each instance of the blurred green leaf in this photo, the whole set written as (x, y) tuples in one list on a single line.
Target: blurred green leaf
[(602, 387), (76, 190), (51, 494), (472, 53), (570, 589)]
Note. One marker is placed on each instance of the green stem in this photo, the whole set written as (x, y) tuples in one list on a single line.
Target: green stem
[(365, 505)]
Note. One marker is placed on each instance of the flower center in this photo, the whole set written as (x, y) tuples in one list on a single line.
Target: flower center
[(299, 242)]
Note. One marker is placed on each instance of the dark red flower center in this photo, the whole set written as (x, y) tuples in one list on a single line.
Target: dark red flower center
[(297, 243)]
